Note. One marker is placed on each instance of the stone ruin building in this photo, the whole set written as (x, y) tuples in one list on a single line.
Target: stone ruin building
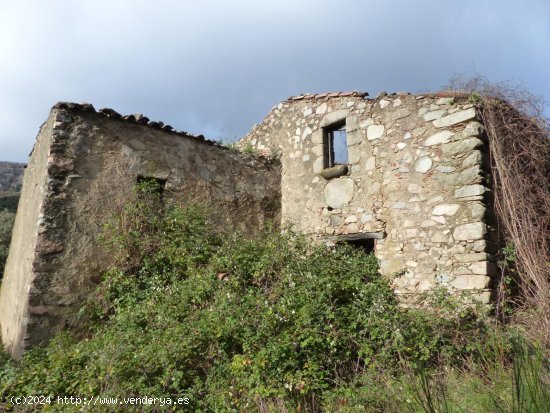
[(401, 175)]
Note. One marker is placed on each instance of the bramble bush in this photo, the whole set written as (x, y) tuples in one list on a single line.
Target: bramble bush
[(269, 323)]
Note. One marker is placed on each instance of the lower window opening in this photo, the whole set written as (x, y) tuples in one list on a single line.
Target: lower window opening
[(152, 185), (365, 241), (366, 244)]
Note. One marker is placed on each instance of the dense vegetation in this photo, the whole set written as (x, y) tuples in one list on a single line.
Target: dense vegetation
[(6, 224), (10, 176), (9, 201), (10, 184), (272, 323), (8, 207)]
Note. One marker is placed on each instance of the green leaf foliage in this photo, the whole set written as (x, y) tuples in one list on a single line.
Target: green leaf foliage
[(9, 201), (270, 323)]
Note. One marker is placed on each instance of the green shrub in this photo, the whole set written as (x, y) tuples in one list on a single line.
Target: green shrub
[(238, 324), (9, 201)]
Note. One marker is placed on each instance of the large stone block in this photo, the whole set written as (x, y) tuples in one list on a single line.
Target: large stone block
[(470, 190), (473, 129), (375, 132), (446, 209), (433, 115), (483, 267), (454, 118), (444, 136), (479, 297), (470, 232), (475, 158), (470, 175), (334, 117), (462, 146), (334, 172), (391, 266), (471, 282), (339, 192), (472, 257), (397, 114)]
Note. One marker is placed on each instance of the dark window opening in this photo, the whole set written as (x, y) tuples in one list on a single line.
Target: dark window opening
[(151, 185), (366, 244), (364, 241), (336, 144)]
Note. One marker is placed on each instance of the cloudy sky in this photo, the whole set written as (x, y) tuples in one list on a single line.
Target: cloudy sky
[(216, 67)]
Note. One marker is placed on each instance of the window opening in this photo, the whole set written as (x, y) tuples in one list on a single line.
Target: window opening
[(366, 244), (365, 241), (152, 185), (336, 142)]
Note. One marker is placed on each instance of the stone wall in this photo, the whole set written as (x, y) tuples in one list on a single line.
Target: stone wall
[(19, 272), (82, 170), (415, 177), (415, 182)]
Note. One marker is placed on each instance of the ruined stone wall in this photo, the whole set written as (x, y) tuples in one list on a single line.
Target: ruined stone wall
[(415, 176), (82, 170), (416, 179), (20, 268)]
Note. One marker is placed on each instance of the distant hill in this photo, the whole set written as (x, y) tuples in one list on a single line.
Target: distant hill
[(10, 176)]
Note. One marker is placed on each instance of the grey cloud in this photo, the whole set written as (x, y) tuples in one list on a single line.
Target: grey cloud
[(217, 67)]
